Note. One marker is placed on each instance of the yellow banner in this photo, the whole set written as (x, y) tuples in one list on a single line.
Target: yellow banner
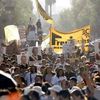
[(57, 39), (43, 13)]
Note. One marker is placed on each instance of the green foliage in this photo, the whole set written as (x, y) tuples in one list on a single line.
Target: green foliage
[(83, 12), (66, 22), (23, 11), (16, 12), (50, 2)]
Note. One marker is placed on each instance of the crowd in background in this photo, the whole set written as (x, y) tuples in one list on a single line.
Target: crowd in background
[(53, 77)]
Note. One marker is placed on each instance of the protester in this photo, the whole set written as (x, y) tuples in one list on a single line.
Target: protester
[(8, 87), (30, 76), (48, 74), (54, 77)]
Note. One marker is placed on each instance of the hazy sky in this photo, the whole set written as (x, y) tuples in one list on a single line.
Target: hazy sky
[(60, 5)]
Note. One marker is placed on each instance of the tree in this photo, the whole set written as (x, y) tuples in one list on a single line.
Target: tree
[(23, 11), (49, 3), (83, 12), (66, 22), (16, 12)]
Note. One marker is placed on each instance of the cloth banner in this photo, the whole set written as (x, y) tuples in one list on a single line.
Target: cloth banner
[(81, 37), (43, 13)]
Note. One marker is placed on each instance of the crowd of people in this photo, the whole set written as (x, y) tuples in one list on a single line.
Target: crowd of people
[(52, 77)]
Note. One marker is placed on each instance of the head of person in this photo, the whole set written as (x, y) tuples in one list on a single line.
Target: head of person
[(77, 95), (60, 72), (25, 97), (2, 67), (97, 80), (64, 95), (48, 70), (44, 62), (20, 80), (42, 69), (33, 95), (55, 90), (68, 68), (45, 87), (83, 58), (8, 87), (38, 80), (32, 69), (22, 68), (37, 92), (57, 60), (73, 81), (16, 70)]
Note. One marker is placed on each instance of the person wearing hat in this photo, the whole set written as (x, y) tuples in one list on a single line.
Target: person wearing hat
[(73, 81), (8, 87), (38, 89), (55, 90)]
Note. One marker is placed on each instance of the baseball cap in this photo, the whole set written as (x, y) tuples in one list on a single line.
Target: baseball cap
[(73, 78)]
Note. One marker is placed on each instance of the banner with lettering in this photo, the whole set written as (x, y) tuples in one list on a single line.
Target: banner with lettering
[(81, 36)]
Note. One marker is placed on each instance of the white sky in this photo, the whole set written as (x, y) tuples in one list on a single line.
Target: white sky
[(59, 6)]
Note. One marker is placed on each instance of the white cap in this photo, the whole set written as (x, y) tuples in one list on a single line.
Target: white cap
[(38, 89), (56, 88), (74, 88)]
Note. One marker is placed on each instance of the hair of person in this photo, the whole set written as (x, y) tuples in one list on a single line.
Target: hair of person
[(26, 97), (34, 68), (45, 71), (58, 70), (34, 94), (45, 87), (65, 94), (78, 93)]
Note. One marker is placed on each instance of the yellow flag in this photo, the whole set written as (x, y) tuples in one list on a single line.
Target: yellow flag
[(57, 39), (44, 14)]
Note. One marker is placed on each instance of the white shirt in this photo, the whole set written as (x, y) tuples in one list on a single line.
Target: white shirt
[(55, 80), (30, 78)]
